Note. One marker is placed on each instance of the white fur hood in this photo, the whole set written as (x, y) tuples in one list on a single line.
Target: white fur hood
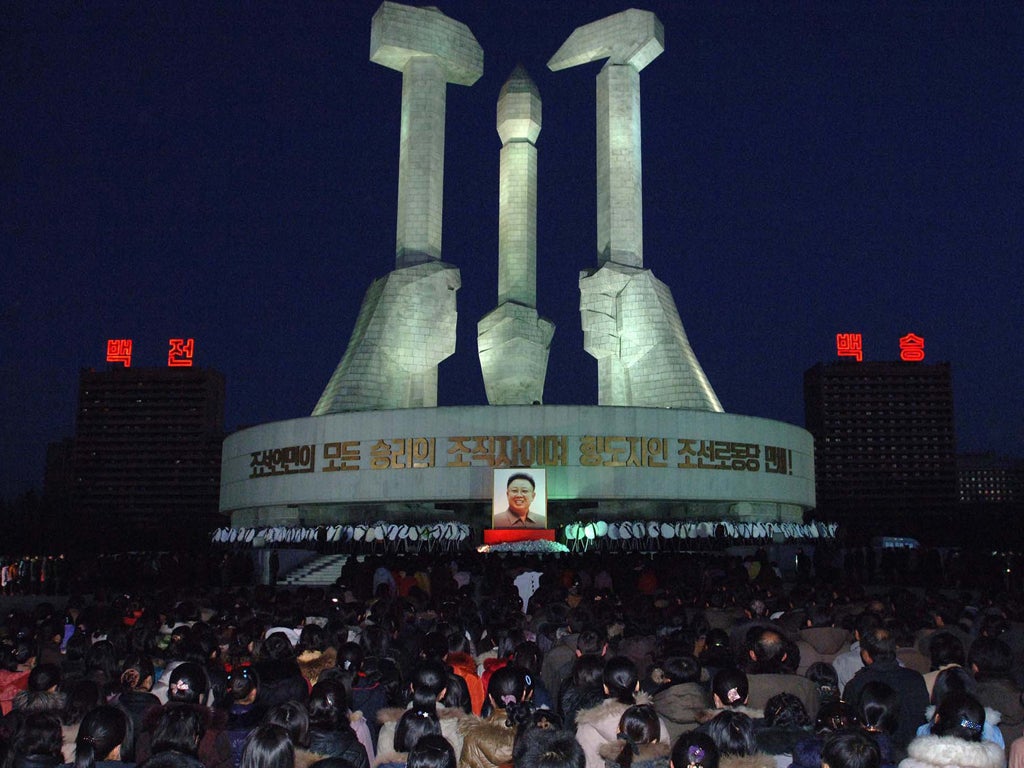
[(928, 751)]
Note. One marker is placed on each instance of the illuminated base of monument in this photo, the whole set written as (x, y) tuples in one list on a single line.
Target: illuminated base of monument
[(429, 464)]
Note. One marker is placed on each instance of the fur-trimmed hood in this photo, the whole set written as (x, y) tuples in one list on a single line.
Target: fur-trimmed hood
[(312, 663), (391, 758), (756, 760), (992, 716), (608, 708), (610, 751), (930, 751)]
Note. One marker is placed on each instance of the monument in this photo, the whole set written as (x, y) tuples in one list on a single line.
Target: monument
[(378, 450)]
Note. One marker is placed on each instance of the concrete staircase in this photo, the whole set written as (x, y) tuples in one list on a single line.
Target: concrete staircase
[(321, 571)]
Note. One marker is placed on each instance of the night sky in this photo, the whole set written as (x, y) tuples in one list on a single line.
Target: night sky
[(228, 172)]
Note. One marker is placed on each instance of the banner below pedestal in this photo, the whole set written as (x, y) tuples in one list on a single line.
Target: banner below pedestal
[(503, 535)]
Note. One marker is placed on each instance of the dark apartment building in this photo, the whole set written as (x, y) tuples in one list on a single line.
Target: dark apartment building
[(884, 445), (146, 456)]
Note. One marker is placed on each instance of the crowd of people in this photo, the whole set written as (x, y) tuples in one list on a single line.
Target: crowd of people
[(489, 662)]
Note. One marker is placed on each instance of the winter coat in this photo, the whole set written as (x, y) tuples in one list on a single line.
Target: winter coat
[(368, 697), (340, 742), (648, 755), (450, 718), (1004, 697), (989, 732), (242, 718), (679, 706), (820, 644), (600, 724), (312, 663), (487, 743), (11, 684), (574, 698), (942, 751), (464, 666), (763, 686), (907, 683), (280, 681), (706, 716)]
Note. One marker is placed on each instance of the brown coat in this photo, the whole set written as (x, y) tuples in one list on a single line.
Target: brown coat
[(486, 743)]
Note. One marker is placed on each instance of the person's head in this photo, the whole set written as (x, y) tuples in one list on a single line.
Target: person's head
[(506, 687), (188, 684), (43, 678), (328, 705), (431, 751), (767, 648), (350, 657), (960, 715), (428, 684), (835, 716), (106, 732), (730, 687), (825, 678), (293, 717), (588, 671), (990, 658), (137, 673), (79, 697), (694, 750), (179, 729), (621, 679), (952, 680), (733, 733), (850, 749), (945, 648), (879, 707), (40, 734), (413, 725), (552, 748), (784, 710), (681, 669), (639, 724), (877, 645), (243, 685), (520, 491), (268, 746)]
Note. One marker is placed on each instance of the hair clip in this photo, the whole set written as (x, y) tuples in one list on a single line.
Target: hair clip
[(733, 695), (694, 756), (970, 725)]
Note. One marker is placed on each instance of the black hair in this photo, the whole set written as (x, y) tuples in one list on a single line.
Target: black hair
[(784, 710), (879, 644), (694, 749), (428, 680), (79, 697), (540, 720), (521, 476), (835, 716), (733, 733), (825, 678), (414, 724), (313, 638), (431, 751), (135, 670), (552, 748), (328, 705), (277, 647), (879, 707), (850, 749), (620, 678), (952, 680), (588, 671), (243, 682), (681, 669), (992, 657), (268, 746), (456, 694), (43, 677), (188, 684), (730, 686), (179, 729), (960, 715), (350, 657), (293, 717), (945, 648), (40, 734), (101, 731), (507, 686), (638, 725)]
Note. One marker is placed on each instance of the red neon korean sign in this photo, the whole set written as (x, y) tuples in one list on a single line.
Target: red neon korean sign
[(120, 351), (852, 345)]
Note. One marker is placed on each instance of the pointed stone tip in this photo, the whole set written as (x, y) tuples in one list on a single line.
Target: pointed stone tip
[(519, 81)]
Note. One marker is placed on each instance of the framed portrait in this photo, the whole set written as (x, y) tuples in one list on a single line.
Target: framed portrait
[(520, 498)]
